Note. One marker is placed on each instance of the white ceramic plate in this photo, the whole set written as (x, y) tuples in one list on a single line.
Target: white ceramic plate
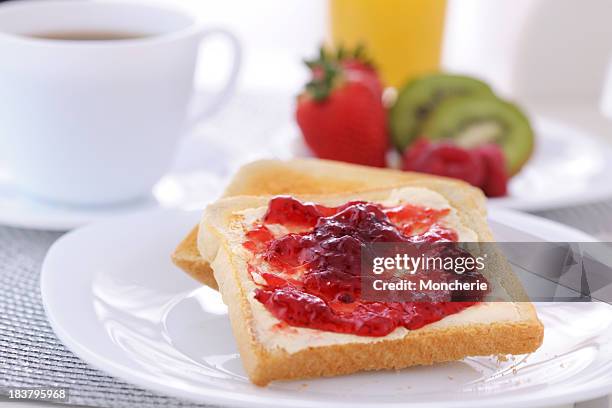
[(114, 298), (568, 167)]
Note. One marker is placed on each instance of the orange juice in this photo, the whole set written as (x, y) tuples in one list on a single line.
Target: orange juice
[(403, 37)]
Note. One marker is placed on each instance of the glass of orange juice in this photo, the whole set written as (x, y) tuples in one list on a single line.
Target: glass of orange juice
[(402, 37)]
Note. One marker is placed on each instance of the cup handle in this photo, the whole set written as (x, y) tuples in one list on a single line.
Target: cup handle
[(206, 110)]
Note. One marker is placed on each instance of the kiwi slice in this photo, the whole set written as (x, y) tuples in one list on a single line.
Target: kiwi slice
[(419, 97), (471, 121)]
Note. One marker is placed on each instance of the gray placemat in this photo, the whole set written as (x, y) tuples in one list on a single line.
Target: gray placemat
[(594, 219), (30, 354)]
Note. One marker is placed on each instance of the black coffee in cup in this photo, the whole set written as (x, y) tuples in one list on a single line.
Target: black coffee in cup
[(87, 35)]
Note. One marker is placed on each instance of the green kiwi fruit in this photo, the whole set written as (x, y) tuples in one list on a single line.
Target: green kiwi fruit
[(419, 97), (475, 120)]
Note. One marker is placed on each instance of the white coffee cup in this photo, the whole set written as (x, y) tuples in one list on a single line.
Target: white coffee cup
[(96, 122)]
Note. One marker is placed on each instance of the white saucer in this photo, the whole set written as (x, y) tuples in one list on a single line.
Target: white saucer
[(568, 167), (115, 299), (176, 190)]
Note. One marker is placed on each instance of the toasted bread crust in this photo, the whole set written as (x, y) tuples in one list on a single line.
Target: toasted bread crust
[(313, 176), (424, 346), (187, 257), (421, 347)]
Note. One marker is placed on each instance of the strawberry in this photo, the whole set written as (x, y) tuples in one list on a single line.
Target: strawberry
[(444, 159), (483, 166), (496, 175), (354, 63), (342, 119)]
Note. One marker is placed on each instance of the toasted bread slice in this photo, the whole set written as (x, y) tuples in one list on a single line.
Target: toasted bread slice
[(314, 176), (273, 351)]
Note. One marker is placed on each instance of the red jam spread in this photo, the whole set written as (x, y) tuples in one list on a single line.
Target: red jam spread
[(313, 276)]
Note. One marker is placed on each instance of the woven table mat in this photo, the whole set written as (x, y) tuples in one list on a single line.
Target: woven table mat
[(31, 355)]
